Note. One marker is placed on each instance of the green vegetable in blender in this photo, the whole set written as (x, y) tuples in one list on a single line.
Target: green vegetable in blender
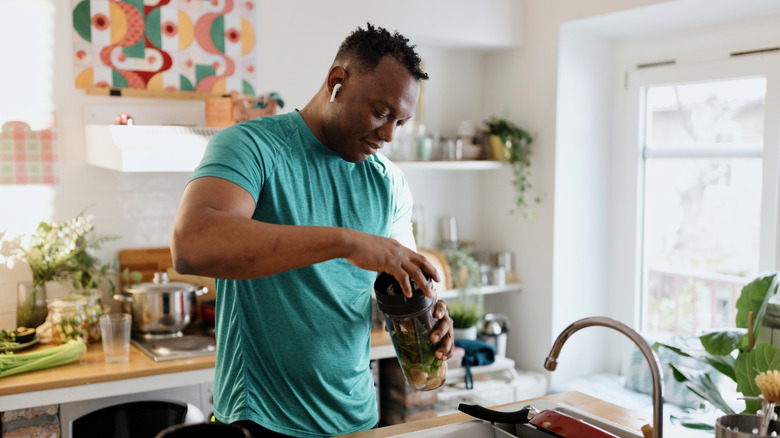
[(417, 354)]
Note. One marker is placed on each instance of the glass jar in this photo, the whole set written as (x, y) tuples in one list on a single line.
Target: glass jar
[(31, 307), (94, 309), (410, 322), (68, 317)]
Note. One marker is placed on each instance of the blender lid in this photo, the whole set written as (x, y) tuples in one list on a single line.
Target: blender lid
[(391, 300)]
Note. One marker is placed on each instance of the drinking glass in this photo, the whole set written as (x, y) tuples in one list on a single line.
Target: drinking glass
[(115, 331)]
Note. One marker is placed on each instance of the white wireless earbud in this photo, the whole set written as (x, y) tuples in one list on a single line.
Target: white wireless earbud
[(335, 90)]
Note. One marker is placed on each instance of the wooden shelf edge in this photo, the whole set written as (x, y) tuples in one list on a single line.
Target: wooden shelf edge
[(157, 94)]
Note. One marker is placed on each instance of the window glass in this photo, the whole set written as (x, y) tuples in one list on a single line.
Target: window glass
[(702, 202), (708, 114)]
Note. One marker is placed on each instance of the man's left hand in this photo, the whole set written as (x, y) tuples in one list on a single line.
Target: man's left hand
[(443, 331)]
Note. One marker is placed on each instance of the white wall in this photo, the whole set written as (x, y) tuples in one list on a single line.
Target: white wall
[(523, 82), (294, 59)]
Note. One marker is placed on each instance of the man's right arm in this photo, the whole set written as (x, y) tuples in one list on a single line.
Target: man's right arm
[(214, 235)]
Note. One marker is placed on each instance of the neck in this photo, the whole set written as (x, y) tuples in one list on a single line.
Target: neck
[(312, 116)]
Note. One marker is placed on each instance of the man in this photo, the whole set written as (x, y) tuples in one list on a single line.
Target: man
[(294, 215)]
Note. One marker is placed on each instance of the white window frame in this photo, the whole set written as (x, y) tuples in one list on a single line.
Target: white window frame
[(632, 138)]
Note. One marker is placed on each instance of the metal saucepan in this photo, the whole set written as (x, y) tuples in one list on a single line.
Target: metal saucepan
[(532, 423), (160, 307)]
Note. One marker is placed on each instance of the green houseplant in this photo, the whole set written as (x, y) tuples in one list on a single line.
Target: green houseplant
[(464, 313), (467, 310), (512, 144), (730, 351), (61, 252)]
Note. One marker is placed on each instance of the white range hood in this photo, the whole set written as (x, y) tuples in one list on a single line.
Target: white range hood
[(146, 148)]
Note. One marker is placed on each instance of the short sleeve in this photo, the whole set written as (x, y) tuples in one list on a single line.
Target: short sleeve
[(401, 218), (243, 154)]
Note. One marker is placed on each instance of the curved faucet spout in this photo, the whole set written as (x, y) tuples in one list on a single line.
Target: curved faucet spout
[(655, 365)]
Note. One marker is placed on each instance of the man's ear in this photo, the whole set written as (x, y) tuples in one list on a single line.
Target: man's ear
[(336, 77)]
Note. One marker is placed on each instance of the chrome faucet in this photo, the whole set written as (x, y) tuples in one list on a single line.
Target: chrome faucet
[(655, 365)]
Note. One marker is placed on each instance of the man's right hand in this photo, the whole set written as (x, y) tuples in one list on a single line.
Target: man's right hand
[(380, 254)]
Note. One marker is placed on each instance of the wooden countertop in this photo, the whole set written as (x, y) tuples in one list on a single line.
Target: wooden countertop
[(92, 368), (583, 402)]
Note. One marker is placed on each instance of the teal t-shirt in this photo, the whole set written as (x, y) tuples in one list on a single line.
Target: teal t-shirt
[(293, 348)]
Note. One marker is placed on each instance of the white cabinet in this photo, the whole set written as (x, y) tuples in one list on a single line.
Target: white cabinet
[(147, 148)]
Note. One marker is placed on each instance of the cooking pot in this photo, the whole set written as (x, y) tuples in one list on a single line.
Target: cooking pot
[(530, 422), (160, 307)]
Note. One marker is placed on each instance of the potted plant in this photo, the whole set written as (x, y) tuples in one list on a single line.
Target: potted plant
[(465, 314), (58, 252), (512, 144), (731, 352), (467, 310)]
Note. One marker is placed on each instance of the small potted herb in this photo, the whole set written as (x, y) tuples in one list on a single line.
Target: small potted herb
[(465, 314), (467, 310)]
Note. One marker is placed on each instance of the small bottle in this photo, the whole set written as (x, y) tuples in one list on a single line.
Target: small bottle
[(68, 317), (410, 322)]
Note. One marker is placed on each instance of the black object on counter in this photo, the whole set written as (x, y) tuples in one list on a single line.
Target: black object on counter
[(410, 322), (391, 300)]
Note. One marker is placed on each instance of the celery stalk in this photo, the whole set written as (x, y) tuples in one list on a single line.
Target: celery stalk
[(11, 363)]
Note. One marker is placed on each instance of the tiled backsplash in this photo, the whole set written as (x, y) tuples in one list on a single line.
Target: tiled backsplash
[(137, 207)]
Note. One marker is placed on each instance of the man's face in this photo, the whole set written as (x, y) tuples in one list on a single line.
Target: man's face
[(368, 108)]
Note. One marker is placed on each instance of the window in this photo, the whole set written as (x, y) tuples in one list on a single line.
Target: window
[(708, 204)]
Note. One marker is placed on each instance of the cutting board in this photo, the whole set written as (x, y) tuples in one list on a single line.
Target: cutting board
[(147, 261)]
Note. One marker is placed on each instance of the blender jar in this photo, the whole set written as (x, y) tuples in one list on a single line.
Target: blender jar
[(410, 322)]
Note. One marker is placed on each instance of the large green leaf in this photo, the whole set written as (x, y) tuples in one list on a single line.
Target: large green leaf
[(755, 297), (749, 364), (722, 342), (702, 385), (691, 346)]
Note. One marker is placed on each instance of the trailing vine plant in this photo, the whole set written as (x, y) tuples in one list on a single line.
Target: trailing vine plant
[(517, 152)]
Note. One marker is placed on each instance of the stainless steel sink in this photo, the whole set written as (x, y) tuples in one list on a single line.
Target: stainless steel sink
[(484, 429)]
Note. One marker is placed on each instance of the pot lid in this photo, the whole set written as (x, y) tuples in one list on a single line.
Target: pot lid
[(144, 288), (160, 284)]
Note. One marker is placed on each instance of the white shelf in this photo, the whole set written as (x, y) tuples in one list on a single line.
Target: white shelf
[(484, 290), (450, 165)]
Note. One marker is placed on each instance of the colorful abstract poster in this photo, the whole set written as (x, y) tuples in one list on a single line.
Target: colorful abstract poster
[(184, 45)]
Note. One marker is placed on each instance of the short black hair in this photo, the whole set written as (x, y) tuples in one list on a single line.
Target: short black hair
[(368, 46)]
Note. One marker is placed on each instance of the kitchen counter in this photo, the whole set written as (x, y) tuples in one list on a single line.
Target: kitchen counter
[(583, 402), (91, 377)]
